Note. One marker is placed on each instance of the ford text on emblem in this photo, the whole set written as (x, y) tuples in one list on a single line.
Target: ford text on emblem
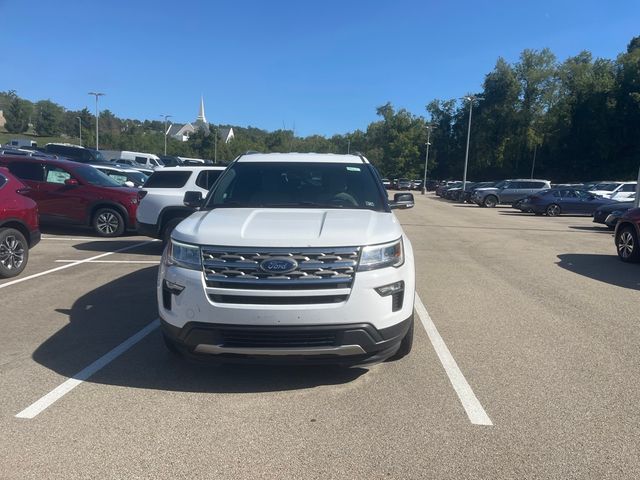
[(278, 265)]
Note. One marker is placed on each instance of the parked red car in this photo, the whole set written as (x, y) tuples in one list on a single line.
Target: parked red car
[(73, 193), (18, 225), (627, 235)]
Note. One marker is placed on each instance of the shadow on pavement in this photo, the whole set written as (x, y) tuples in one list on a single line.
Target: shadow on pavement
[(593, 228), (604, 268), (108, 315), (137, 244), (74, 230)]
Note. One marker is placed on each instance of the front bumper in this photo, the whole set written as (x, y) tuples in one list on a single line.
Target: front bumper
[(186, 302), (347, 344)]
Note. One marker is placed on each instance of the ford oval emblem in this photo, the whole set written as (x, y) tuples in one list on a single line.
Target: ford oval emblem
[(278, 265)]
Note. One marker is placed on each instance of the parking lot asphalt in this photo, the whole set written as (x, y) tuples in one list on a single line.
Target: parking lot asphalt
[(538, 314)]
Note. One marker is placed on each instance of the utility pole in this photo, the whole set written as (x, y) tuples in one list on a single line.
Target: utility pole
[(80, 129), (471, 99), (165, 131), (426, 159), (533, 165), (97, 94), (215, 145)]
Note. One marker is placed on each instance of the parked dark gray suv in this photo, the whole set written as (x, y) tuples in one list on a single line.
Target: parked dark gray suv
[(508, 191)]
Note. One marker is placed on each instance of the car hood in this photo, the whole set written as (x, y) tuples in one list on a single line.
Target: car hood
[(288, 227)]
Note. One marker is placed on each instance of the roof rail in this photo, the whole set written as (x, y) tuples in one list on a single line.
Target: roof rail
[(362, 157)]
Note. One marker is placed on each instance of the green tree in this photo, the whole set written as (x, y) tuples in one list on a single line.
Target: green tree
[(17, 113), (48, 118)]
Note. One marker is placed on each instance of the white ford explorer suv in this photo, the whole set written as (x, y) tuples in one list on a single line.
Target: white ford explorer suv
[(290, 258)]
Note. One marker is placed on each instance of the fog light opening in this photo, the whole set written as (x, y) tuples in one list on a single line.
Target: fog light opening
[(390, 289)]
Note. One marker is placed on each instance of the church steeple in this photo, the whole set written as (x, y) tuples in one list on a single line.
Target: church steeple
[(201, 116)]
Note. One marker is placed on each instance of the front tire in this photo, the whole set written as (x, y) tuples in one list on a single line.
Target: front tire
[(108, 222), (627, 244), (553, 210), (14, 252), (490, 201), (168, 228)]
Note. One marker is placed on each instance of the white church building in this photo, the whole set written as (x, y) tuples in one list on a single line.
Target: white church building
[(183, 131)]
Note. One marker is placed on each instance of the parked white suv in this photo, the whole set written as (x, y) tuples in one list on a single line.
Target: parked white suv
[(291, 257), (161, 205)]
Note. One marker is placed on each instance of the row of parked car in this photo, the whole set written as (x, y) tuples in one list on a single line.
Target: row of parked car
[(39, 188), (402, 184), (610, 203)]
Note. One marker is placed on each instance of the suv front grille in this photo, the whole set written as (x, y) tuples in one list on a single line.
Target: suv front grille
[(318, 269)]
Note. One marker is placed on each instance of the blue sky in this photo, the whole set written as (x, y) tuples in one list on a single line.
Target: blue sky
[(322, 67)]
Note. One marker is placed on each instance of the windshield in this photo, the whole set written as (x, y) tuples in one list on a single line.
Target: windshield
[(94, 176), (607, 187), (137, 177), (286, 184)]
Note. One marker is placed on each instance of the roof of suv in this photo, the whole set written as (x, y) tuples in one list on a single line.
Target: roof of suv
[(190, 168), (301, 158)]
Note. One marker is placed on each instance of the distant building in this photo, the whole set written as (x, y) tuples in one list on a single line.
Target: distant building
[(182, 131)]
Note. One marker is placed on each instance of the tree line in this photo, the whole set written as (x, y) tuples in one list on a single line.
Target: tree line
[(577, 120)]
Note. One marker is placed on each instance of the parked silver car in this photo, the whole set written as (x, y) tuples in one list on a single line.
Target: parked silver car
[(508, 191)]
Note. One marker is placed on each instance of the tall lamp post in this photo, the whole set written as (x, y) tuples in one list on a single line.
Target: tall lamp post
[(426, 159), (470, 99), (80, 129), (97, 94), (165, 131)]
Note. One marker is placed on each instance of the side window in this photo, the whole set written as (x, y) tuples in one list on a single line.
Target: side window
[(568, 194), (513, 185), (538, 185), (629, 187), (141, 160), (207, 178), (57, 175), (556, 194), (27, 171), (118, 177), (3, 180)]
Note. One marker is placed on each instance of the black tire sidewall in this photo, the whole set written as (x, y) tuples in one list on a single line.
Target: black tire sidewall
[(5, 232), (121, 227), (168, 228)]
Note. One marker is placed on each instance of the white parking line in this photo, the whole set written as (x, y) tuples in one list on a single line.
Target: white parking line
[(76, 262), (60, 391), (78, 239), (112, 261), (469, 401)]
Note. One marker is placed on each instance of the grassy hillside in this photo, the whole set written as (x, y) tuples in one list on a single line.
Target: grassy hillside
[(42, 141)]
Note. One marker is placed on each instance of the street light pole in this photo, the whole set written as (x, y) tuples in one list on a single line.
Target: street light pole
[(97, 94), (80, 129), (215, 146), (348, 146), (533, 165), (165, 131), (426, 160), (471, 99)]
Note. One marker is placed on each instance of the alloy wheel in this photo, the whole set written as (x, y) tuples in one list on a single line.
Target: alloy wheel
[(11, 253), (553, 210), (107, 223), (626, 244)]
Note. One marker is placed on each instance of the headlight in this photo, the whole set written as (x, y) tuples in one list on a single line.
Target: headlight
[(381, 256), (184, 255)]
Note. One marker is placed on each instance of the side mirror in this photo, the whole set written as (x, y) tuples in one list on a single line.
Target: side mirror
[(71, 182), (193, 199), (129, 184), (402, 201)]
